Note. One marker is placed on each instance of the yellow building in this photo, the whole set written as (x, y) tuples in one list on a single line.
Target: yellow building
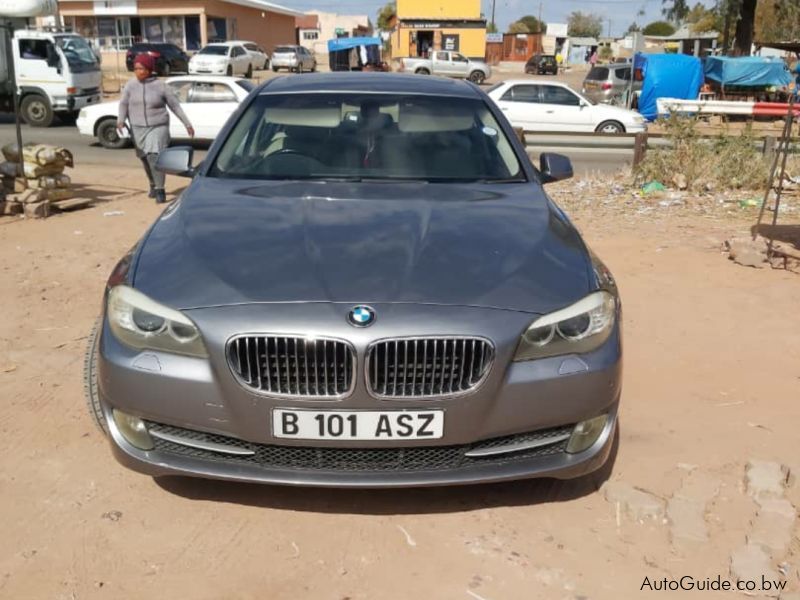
[(424, 25)]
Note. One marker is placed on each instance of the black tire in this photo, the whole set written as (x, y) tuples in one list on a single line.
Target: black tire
[(300, 69), (90, 379), (274, 69), (610, 127), (422, 71), (477, 77), (229, 72), (266, 65), (249, 73), (36, 111), (108, 136)]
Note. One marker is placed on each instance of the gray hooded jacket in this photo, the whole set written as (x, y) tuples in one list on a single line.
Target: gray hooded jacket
[(144, 103)]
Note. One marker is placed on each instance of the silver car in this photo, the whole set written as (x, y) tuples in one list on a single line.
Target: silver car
[(293, 58), (609, 84), (364, 284)]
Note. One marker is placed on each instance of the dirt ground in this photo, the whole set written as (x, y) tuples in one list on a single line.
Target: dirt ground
[(712, 380)]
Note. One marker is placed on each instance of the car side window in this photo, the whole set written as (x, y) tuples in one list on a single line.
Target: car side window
[(251, 47), (624, 74), (522, 93), (211, 92), (442, 56), (33, 49), (237, 51), (552, 94), (458, 57), (181, 89)]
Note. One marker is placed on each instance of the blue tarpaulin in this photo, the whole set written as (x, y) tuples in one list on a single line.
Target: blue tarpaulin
[(753, 71), (667, 76), (354, 42)]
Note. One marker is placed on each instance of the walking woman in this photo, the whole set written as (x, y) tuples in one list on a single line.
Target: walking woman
[(144, 104)]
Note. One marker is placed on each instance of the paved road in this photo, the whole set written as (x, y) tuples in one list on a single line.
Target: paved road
[(88, 151)]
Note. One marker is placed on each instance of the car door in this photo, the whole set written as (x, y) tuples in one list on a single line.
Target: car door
[(214, 102), (521, 106), (182, 90), (441, 63), (460, 64), (40, 65), (241, 60), (564, 110)]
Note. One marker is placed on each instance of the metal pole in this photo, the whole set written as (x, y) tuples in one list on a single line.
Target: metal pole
[(12, 76), (494, 2)]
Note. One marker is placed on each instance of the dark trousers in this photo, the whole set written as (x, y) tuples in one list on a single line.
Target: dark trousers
[(154, 176)]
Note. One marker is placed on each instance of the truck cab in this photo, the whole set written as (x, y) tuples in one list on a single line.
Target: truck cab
[(56, 73)]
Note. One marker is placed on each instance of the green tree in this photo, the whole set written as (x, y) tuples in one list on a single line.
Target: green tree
[(580, 24), (491, 28), (518, 27), (633, 28), (701, 19), (675, 10), (658, 28), (777, 20), (534, 24), (385, 15)]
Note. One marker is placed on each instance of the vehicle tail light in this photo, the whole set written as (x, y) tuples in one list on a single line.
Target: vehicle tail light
[(607, 85)]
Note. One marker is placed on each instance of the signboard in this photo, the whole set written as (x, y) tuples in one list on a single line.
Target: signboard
[(494, 38), (115, 7), (450, 42)]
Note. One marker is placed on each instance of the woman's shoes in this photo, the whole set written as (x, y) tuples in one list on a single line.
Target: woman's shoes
[(152, 193), (160, 196)]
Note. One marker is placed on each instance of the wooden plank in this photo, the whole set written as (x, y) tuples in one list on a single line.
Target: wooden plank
[(71, 203)]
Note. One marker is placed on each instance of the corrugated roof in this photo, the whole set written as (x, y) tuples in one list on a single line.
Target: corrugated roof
[(583, 41)]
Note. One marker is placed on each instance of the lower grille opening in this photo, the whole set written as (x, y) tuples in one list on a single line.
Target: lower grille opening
[(412, 458)]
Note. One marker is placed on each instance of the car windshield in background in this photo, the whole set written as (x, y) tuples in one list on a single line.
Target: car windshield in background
[(285, 50), (216, 50), (78, 53), (249, 86), (368, 136), (598, 74)]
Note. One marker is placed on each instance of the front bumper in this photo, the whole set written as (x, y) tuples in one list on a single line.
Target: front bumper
[(215, 69), (75, 102), (199, 399)]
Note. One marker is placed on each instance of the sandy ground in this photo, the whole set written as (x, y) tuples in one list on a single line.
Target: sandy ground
[(711, 381)]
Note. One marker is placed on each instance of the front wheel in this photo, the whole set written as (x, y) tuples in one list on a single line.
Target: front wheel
[(249, 73), (36, 111), (274, 69), (477, 77), (90, 379), (422, 72), (109, 137), (610, 127), (229, 72)]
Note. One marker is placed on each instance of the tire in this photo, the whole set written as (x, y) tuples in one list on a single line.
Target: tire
[(36, 111), (477, 77), (90, 379), (422, 71), (610, 127), (108, 136), (266, 65), (229, 72), (249, 73), (274, 69)]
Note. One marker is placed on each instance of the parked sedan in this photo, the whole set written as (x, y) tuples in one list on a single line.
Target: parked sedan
[(259, 58), (169, 57), (364, 284), (552, 106), (293, 58), (207, 101), (226, 58)]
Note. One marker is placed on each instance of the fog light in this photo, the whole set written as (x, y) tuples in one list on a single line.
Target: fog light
[(133, 430), (585, 434)]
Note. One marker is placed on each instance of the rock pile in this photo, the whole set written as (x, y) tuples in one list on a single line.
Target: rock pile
[(44, 185)]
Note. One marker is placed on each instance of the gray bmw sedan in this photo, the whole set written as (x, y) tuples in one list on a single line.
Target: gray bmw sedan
[(365, 284)]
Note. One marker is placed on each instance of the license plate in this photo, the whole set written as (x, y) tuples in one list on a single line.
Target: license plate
[(357, 424), (590, 85)]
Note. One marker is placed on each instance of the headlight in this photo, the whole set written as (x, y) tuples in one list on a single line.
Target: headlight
[(140, 322), (579, 328)]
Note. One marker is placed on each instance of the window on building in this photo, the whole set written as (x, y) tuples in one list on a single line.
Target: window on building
[(311, 35), (154, 29)]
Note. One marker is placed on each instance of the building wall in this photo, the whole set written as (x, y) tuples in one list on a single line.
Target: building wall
[(472, 41), (330, 22), (441, 9)]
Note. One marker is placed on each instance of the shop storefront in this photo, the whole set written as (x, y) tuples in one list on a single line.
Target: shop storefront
[(456, 26)]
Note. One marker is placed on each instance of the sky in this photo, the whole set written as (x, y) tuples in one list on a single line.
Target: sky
[(620, 13)]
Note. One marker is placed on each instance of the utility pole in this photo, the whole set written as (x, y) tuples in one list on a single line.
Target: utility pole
[(609, 26), (540, 17), (494, 27)]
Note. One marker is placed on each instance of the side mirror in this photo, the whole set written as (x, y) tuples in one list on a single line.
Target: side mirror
[(177, 161), (554, 167)]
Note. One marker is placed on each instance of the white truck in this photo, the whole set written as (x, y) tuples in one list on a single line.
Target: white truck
[(56, 73), (447, 64)]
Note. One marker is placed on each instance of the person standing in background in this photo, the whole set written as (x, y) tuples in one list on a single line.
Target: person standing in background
[(143, 104)]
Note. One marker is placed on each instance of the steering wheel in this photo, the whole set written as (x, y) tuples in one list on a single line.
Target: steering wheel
[(287, 151)]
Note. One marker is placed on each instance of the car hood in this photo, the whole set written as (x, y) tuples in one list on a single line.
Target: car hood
[(236, 242), (616, 112)]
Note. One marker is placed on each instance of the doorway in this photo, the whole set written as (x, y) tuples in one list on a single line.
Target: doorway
[(424, 43)]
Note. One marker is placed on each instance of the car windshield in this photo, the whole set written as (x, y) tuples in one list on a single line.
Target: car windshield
[(249, 86), (368, 137), (215, 50), (285, 50), (78, 52)]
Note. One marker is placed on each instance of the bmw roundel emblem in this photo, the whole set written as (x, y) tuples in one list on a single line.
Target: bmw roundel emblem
[(361, 316)]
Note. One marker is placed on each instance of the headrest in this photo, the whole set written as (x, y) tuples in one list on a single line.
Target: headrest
[(430, 118)]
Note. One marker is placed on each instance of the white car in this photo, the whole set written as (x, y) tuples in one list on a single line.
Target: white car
[(258, 56), (207, 101), (224, 58), (537, 105)]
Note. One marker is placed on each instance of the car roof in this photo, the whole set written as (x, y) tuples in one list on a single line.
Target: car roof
[(382, 83), (537, 82), (207, 78)]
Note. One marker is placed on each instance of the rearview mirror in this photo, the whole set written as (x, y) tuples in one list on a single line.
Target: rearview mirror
[(177, 161), (554, 167)]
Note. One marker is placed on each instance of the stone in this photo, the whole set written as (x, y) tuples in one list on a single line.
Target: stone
[(38, 210), (636, 503), (687, 521), (747, 252), (772, 527), (751, 563), (679, 179), (765, 479)]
